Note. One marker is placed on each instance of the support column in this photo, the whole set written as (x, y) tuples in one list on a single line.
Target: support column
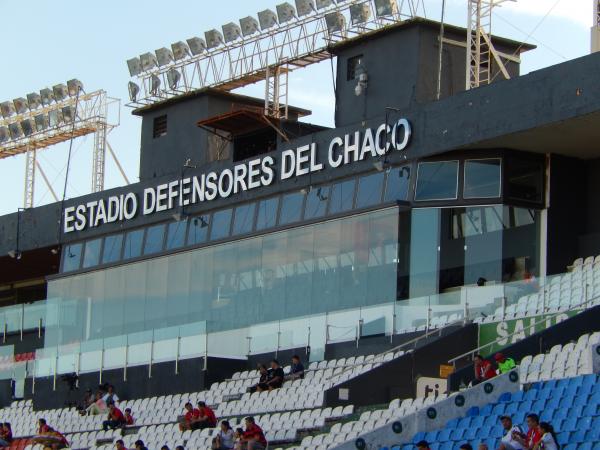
[(30, 165)]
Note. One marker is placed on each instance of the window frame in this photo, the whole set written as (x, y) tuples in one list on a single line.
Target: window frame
[(437, 199), (500, 179)]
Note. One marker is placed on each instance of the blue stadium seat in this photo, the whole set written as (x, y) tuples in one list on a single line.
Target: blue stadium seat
[(560, 414), (499, 409), (491, 420), (595, 397), (586, 446), (554, 402), (471, 433), (565, 402), (589, 380), (544, 394), (581, 400), (585, 389), (506, 397), (570, 447), (570, 424), (419, 437), (465, 422), (477, 421), (577, 436), (519, 417), (431, 436), (473, 411), (408, 447), (571, 389), (434, 446), (563, 438), (591, 409), (593, 434), (550, 384), (547, 415), (491, 443), (447, 446), (531, 394), (457, 434), (485, 431), (497, 431), (517, 396), (444, 435), (577, 410), (539, 405), (523, 406), (453, 423), (584, 423), (597, 446), (596, 422), (487, 409)]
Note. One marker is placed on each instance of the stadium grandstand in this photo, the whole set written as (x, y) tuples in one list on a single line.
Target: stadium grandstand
[(424, 275)]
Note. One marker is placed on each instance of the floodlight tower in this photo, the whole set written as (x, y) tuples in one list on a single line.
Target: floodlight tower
[(480, 49), (52, 116), (596, 28)]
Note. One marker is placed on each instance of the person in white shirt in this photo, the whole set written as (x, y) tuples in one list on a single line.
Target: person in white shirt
[(225, 437), (110, 395), (508, 441), (549, 441)]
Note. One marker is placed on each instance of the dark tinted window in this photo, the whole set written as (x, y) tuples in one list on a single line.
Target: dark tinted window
[(198, 230), (369, 190), (91, 255), (154, 239), (291, 208), (397, 184), (112, 248), (72, 257), (353, 67), (482, 178), (159, 126), (437, 180), (267, 213), (133, 244), (176, 234), (342, 196), (221, 224), (525, 180), (316, 203), (244, 218)]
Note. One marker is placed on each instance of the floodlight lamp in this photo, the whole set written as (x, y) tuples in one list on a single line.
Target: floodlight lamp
[(173, 77), (305, 7), (47, 96), (4, 134), (55, 118), (28, 127), (60, 92), (180, 50), (386, 8), (15, 130), (7, 109), (267, 19), (134, 90), (135, 66), (148, 61), (285, 12), (34, 100), (164, 56), (74, 86), (21, 105), (231, 31), (322, 4), (154, 85), (41, 122), (214, 38), (249, 26), (335, 22), (197, 45), (360, 13), (69, 113)]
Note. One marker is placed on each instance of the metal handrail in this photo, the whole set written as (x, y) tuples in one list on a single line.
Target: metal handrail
[(477, 350)]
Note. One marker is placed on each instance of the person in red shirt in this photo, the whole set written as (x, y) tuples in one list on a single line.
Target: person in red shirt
[(5, 434), (115, 419), (49, 437), (190, 418), (129, 420), (253, 437), (207, 418), (534, 433), (484, 370)]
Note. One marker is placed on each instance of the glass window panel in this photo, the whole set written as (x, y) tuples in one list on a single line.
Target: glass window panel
[(397, 185), (244, 218), (291, 208), (316, 202), (133, 244), (523, 216), (494, 218), (198, 230), (154, 239), (72, 257), (369, 190), (482, 178), (221, 224), (525, 180), (437, 181), (112, 248), (267, 213), (91, 255), (342, 196), (176, 234)]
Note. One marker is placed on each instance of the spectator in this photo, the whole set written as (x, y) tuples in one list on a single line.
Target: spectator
[(423, 445), (276, 376), (179, 447), (190, 417), (110, 395), (120, 445), (253, 437), (165, 447), (98, 407), (129, 420), (225, 437), (466, 446), (5, 435), (207, 418), (548, 440), (115, 419), (238, 435), (504, 364), (508, 441), (139, 445), (86, 401), (262, 381), (43, 427), (296, 369), (483, 370), (48, 437), (482, 446), (534, 434)]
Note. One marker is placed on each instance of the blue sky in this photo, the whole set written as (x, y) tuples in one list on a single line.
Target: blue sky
[(49, 42)]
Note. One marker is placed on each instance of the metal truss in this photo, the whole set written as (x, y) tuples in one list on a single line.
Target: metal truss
[(294, 44), (480, 49), (595, 44), (276, 92), (30, 165)]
